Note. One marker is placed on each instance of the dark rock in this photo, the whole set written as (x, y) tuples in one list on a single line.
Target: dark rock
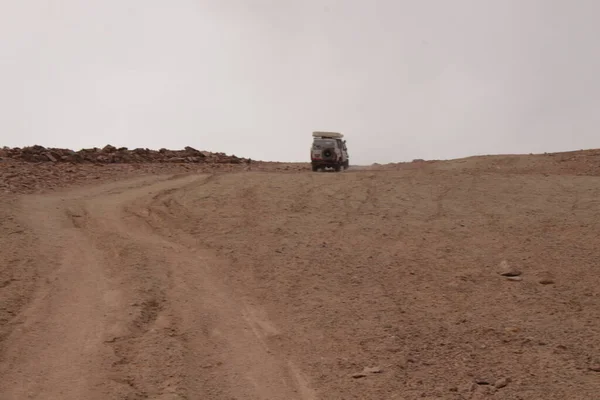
[(191, 150), (36, 149)]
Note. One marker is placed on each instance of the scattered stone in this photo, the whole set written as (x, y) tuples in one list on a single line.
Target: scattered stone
[(367, 371), (373, 370), (50, 157), (508, 270), (595, 368), (546, 281), (546, 278), (501, 383), (514, 278), (483, 381)]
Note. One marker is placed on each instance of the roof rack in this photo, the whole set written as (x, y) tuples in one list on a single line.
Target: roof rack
[(333, 135)]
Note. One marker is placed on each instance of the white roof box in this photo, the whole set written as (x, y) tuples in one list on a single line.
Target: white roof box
[(333, 135)]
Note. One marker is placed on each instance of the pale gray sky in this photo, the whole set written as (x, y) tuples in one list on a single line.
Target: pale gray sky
[(402, 79)]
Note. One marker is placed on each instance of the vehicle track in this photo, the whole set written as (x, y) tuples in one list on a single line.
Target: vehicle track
[(127, 313)]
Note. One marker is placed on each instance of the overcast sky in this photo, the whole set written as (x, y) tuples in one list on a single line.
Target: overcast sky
[(402, 79)]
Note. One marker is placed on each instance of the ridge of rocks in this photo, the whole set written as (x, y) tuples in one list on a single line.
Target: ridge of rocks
[(112, 155)]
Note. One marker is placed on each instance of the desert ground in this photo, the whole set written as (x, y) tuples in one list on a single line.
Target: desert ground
[(164, 276)]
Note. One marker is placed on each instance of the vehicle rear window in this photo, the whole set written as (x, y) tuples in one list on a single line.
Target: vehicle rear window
[(319, 143)]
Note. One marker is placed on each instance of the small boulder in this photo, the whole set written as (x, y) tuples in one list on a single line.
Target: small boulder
[(501, 383), (505, 269)]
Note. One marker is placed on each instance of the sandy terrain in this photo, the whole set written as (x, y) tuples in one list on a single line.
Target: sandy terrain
[(466, 279)]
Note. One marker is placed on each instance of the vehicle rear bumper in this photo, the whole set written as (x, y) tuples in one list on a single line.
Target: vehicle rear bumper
[(326, 163)]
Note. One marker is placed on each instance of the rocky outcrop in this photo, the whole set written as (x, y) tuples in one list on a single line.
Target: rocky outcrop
[(112, 155)]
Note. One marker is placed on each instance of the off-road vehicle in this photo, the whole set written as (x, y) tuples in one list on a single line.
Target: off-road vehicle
[(329, 151)]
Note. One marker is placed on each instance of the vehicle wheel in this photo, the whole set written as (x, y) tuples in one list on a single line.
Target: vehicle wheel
[(338, 168), (315, 168)]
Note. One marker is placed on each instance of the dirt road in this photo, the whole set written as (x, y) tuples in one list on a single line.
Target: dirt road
[(258, 285)]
